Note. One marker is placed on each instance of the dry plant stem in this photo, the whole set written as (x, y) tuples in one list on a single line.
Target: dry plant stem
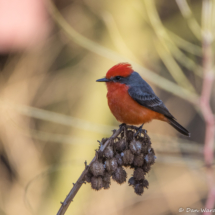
[(208, 80), (205, 103), (208, 116), (81, 179)]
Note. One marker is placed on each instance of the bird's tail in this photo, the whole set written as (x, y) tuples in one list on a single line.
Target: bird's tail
[(178, 127)]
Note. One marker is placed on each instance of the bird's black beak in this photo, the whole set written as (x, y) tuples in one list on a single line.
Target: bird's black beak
[(103, 80)]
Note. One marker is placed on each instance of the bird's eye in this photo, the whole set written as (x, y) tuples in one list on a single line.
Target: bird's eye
[(118, 78)]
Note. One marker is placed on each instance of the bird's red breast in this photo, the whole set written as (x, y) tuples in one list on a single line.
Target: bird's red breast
[(127, 110)]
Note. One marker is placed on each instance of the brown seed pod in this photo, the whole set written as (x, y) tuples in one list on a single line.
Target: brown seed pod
[(145, 148), (138, 160), (106, 185), (106, 177), (97, 168), (141, 139), (129, 135), (119, 159), (96, 183), (145, 183), (127, 157), (119, 175), (147, 140), (135, 147), (150, 157), (139, 174), (106, 180), (131, 181), (108, 152), (111, 165), (88, 177), (120, 145), (146, 167), (138, 189)]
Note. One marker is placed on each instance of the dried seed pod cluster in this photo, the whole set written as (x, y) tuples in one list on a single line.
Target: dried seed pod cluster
[(129, 149)]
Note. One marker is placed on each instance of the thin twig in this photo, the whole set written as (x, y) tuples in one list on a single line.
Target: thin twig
[(187, 14), (184, 44), (81, 179)]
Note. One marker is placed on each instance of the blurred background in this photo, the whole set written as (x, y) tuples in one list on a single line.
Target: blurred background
[(52, 112)]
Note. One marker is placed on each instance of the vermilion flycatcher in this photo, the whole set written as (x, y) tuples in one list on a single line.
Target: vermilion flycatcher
[(132, 101)]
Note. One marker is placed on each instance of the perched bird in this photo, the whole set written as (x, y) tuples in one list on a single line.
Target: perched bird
[(132, 101)]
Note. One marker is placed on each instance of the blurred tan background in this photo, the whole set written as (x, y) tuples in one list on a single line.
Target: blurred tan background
[(52, 112)]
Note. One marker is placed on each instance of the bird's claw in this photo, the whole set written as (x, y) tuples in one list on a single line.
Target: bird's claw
[(139, 130)]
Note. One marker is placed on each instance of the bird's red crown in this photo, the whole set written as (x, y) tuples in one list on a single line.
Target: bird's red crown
[(121, 69)]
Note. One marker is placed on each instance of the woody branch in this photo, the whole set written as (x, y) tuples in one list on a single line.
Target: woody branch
[(80, 181)]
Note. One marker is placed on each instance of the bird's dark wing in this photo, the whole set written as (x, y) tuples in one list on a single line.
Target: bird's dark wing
[(149, 100)]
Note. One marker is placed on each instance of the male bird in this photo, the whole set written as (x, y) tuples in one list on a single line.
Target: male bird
[(132, 101)]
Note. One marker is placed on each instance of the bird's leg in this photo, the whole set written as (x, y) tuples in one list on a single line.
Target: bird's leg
[(139, 130)]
